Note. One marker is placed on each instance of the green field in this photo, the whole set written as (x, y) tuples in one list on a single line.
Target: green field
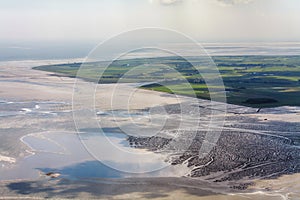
[(255, 81)]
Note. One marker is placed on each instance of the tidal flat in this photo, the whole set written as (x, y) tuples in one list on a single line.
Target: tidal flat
[(255, 155)]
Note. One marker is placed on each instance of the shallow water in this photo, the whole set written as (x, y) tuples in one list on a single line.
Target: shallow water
[(63, 151)]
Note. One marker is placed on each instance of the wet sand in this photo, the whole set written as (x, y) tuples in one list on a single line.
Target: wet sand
[(34, 90), (142, 188)]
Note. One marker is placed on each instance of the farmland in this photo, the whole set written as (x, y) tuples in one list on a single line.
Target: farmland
[(254, 81)]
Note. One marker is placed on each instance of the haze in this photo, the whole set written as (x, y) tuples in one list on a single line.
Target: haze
[(204, 20)]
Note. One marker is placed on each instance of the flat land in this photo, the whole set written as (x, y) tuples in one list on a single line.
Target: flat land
[(263, 145), (253, 81)]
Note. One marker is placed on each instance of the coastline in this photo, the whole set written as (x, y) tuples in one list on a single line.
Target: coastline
[(60, 90)]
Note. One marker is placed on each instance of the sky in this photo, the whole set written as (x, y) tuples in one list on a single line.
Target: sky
[(203, 20)]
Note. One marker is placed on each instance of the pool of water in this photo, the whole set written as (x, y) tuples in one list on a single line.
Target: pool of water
[(63, 152), (55, 150)]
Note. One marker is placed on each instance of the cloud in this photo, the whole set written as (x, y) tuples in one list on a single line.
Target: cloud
[(221, 2), (233, 2), (17, 47), (170, 2)]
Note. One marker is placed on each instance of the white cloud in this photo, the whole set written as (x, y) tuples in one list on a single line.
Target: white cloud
[(221, 2), (170, 2), (233, 2)]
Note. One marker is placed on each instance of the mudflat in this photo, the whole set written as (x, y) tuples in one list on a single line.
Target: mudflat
[(34, 102)]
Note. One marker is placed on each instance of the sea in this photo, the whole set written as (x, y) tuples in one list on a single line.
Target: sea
[(54, 50)]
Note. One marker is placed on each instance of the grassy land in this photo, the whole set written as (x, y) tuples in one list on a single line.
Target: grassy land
[(255, 81)]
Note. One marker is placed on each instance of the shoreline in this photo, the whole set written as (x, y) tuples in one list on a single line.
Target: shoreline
[(63, 94)]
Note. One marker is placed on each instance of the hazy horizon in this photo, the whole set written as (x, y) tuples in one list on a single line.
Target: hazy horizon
[(18, 51), (62, 29), (204, 20)]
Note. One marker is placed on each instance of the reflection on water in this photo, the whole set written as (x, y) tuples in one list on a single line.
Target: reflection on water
[(87, 169), (64, 153)]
